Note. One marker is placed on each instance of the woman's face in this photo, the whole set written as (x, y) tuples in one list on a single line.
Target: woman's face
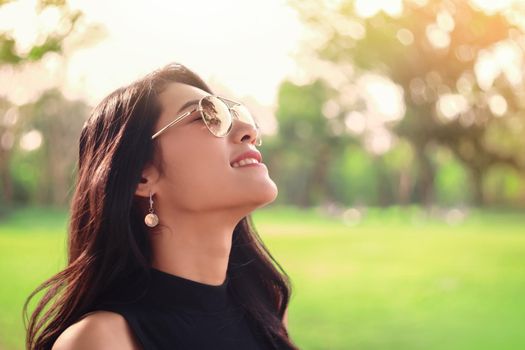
[(197, 175)]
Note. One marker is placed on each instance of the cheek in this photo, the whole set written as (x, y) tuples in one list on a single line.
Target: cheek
[(198, 176), (199, 167)]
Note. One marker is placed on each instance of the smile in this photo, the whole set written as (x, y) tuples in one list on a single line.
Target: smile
[(246, 161)]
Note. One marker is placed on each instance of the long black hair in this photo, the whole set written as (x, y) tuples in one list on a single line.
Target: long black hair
[(107, 238)]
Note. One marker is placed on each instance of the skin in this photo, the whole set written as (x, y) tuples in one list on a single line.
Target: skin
[(101, 330), (199, 199)]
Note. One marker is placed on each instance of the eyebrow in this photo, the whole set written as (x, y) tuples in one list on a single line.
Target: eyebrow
[(187, 104)]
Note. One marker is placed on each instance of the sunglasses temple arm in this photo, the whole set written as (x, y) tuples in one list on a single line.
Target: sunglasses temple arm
[(256, 124), (235, 103), (172, 123), (225, 99)]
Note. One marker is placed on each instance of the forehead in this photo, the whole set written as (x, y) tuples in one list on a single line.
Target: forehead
[(175, 95)]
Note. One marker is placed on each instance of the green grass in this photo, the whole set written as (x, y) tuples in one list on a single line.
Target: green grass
[(32, 248), (395, 280)]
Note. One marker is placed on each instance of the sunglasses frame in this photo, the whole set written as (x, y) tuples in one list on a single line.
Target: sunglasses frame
[(200, 109)]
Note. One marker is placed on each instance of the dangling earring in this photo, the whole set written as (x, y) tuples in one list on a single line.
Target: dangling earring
[(151, 219)]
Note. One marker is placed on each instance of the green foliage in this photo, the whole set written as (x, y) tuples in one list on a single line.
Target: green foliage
[(301, 153), (26, 170), (52, 43), (38, 51), (7, 50), (354, 178), (452, 181), (58, 3), (44, 175), (478, 138), (504, 184), (47, 174), (299, 113)]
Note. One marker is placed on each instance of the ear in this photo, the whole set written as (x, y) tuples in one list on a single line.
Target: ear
[(148, 181)]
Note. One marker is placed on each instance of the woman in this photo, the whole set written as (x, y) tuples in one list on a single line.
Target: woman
[(162, 253)]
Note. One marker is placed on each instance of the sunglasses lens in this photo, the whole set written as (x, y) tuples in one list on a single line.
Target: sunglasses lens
[(216, 115), (244, 115)]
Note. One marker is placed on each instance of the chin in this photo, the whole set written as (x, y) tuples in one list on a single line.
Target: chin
[(261, 195), (268, 194)]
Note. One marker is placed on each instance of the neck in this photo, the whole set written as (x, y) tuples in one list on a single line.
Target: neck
[(194, 246)]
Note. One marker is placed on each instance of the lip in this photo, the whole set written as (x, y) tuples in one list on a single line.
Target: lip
[(248, 154)]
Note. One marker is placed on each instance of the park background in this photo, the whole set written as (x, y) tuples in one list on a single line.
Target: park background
[(393, 129)]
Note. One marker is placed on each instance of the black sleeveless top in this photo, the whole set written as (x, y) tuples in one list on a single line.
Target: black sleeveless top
[(178, 313)]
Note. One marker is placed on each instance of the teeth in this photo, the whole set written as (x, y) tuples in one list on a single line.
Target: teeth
[(244, 162)]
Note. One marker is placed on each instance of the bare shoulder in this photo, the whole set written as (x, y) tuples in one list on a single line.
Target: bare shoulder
[(98, 330)]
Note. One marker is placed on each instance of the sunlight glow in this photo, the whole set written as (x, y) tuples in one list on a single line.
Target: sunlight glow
[(246, 47), (437, 37), (30, 27), (331, 109), (445, 21), (379, 141), (384, 101), (405, 36), (369, 8), (355, 122), (10, 117), (382, 96), (31, 140), (498, 105), (231, 43), (451, 105), (505, 58), (492, 6)]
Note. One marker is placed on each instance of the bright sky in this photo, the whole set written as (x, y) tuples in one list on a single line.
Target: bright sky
[(244, 47)]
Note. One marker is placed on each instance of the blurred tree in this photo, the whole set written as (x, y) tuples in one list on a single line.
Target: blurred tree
[(51, 42), (460, 68), (9, 115), (307, 142), (11, 55), (52, 125)]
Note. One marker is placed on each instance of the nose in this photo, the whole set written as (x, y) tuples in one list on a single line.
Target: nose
[(242, 132)]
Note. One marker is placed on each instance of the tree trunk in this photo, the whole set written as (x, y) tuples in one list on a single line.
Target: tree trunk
[(5, 177), (384, 194), (404, 187), (316, 188), (426, 176), (477, 187)]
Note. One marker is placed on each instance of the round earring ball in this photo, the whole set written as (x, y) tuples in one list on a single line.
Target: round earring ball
[(151, 220)]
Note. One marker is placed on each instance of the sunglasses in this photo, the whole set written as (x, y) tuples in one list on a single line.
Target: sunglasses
[(218, 116)]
